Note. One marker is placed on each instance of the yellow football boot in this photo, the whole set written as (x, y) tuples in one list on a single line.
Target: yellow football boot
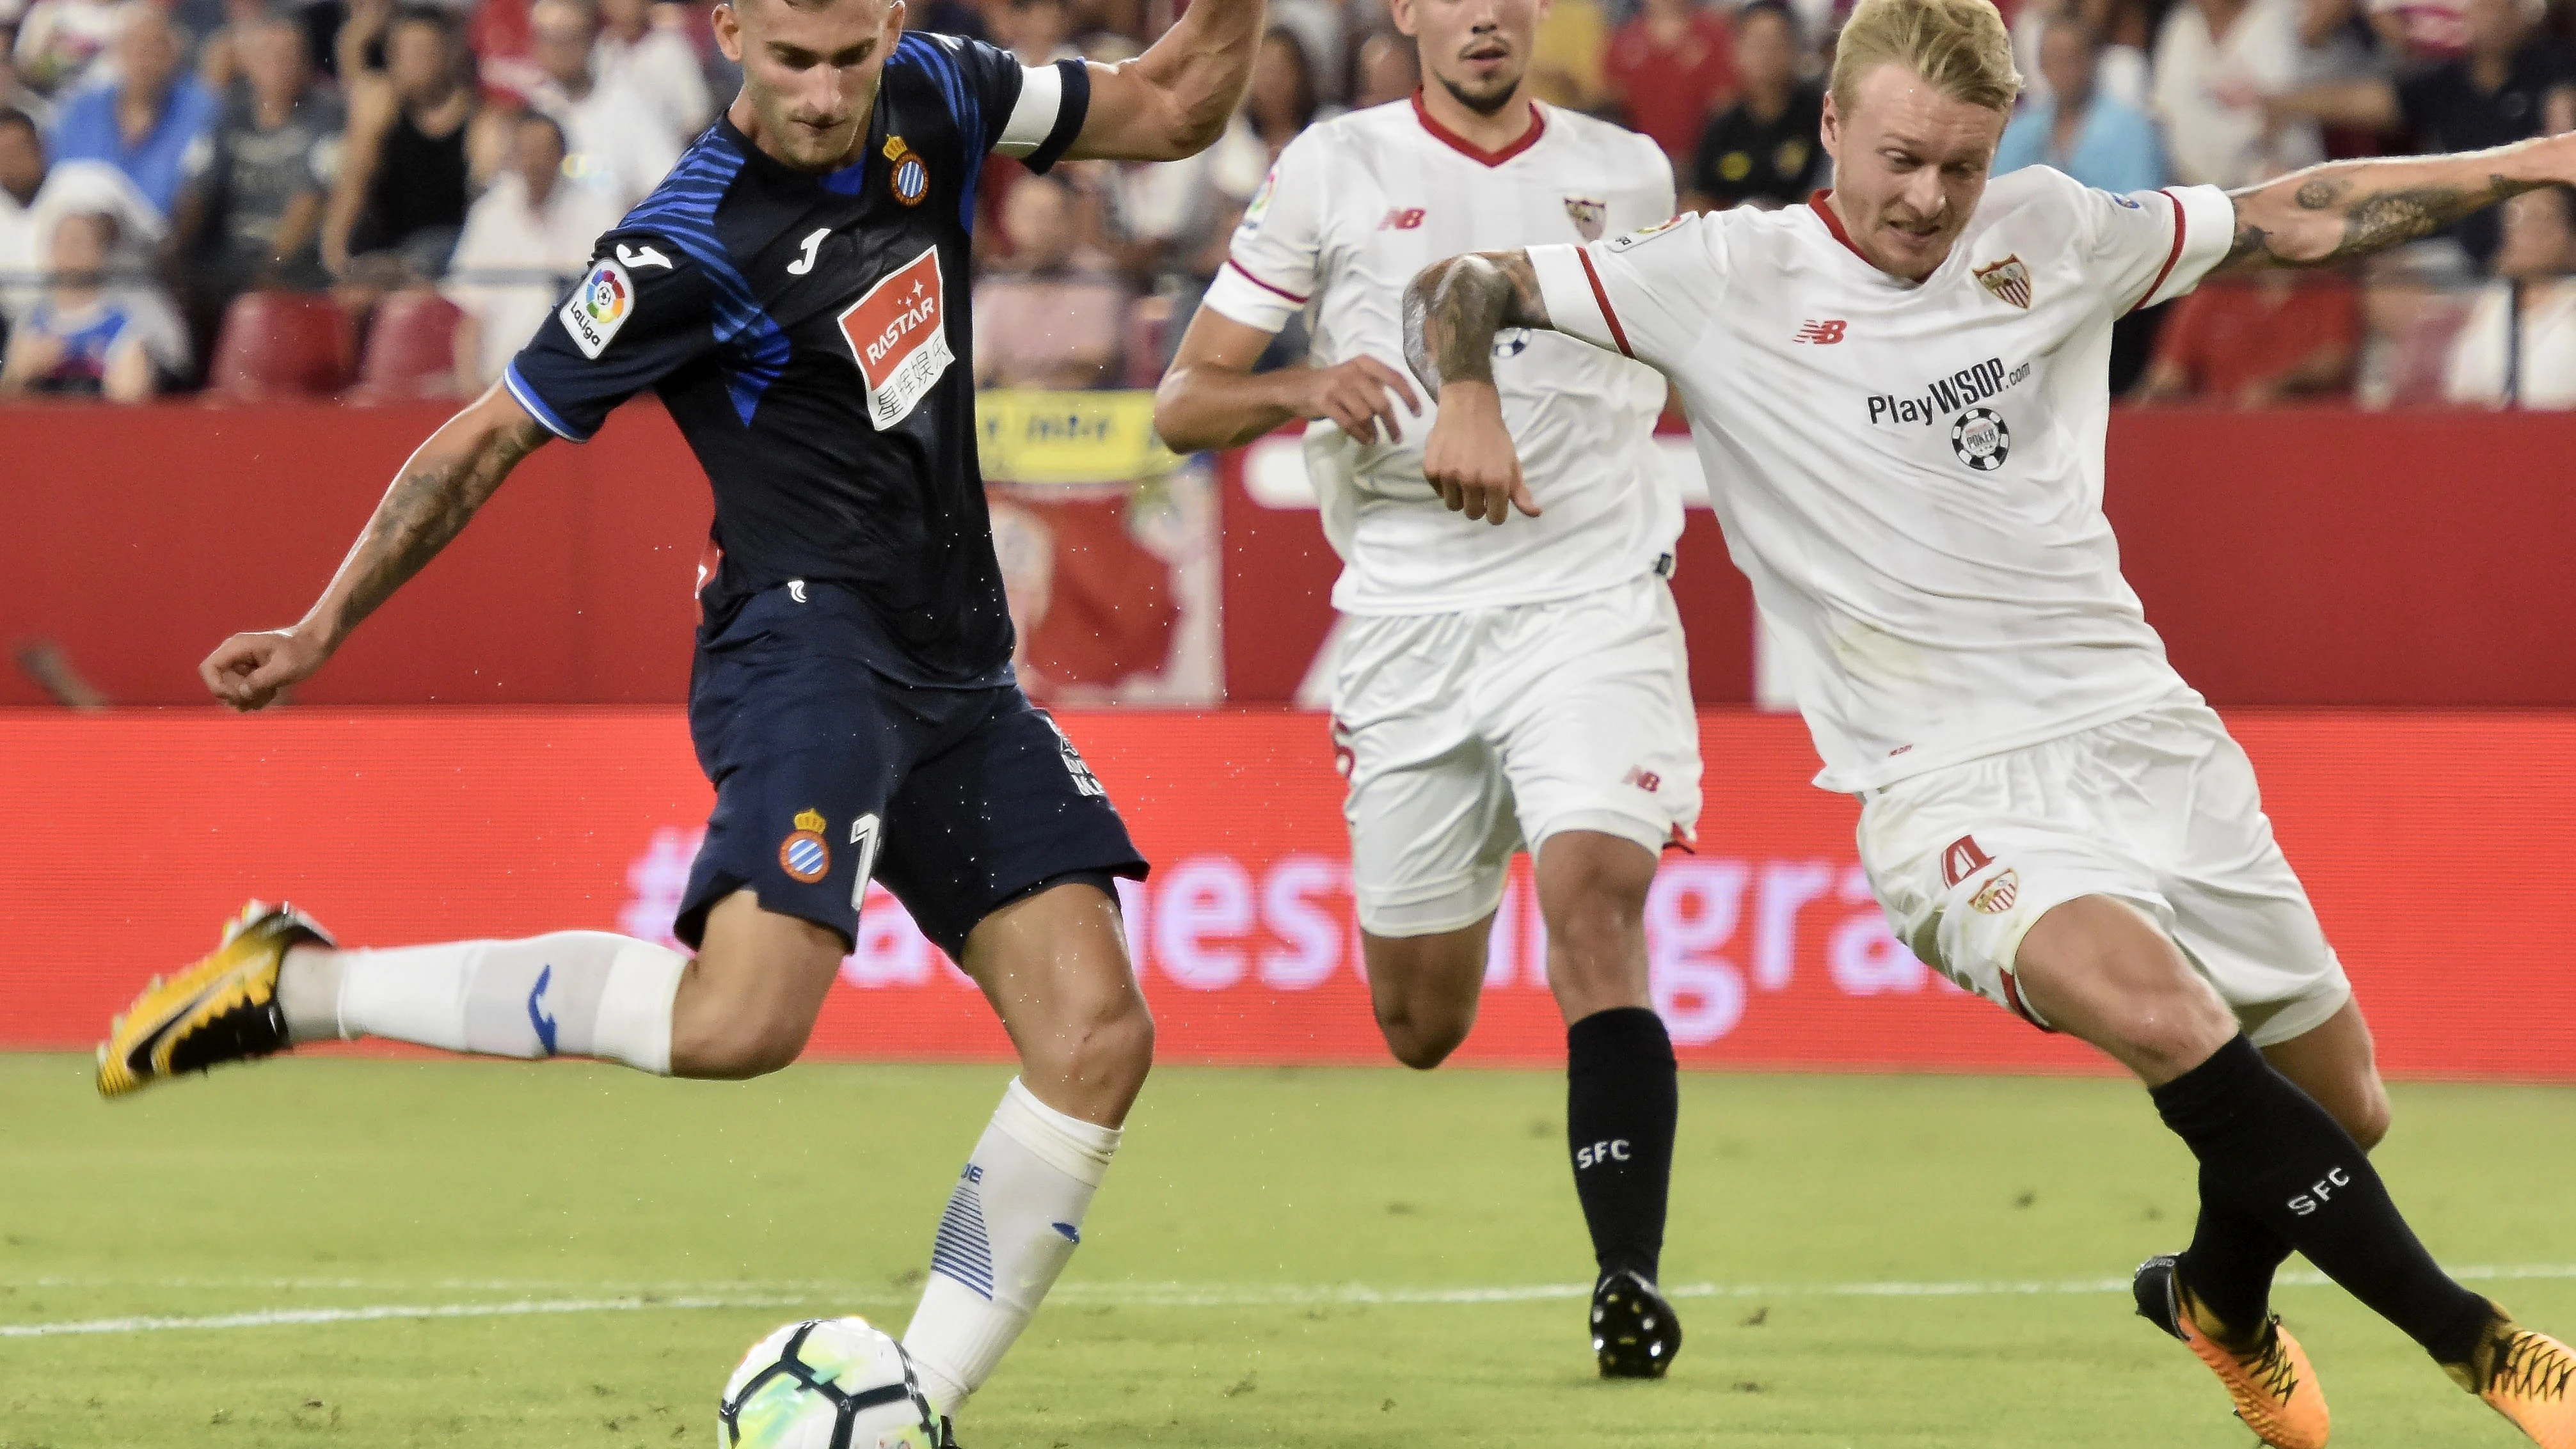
[(223, 1009), (2528, 1377), (2275, 1390)]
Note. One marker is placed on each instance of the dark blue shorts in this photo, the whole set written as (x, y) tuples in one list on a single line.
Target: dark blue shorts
[(827, 774)]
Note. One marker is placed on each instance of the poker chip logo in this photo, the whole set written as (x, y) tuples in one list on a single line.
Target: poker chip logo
[(803, 854), (1980, 439)]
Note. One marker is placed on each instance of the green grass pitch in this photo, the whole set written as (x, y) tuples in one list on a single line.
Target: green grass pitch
[(1281, 1258)]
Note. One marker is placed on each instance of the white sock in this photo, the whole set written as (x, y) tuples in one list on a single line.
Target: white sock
[(570, 994), (1010, 1228)]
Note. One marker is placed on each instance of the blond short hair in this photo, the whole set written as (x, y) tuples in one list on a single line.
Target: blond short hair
[(1960, 46)]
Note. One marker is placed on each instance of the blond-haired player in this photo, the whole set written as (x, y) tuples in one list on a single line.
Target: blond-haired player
[(1494, 687), (1900, 391)]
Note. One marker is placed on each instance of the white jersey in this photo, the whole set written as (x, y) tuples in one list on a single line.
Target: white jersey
[(1911, 475), (1353, 209)]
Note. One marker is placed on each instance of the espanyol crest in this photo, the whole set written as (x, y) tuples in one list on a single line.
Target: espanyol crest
[(2009, 280), (1587, 216)]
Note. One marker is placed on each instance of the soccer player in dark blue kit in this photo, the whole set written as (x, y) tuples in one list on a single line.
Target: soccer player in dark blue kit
[(796, 292)]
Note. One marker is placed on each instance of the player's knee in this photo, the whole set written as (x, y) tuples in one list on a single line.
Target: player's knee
[(2166, 1033), (742, 1047), (1419, 1039), (1109, 1046), (2367, 1115)]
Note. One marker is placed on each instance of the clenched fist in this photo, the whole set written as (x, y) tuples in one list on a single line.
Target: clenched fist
[(1470, 459), (246, 671)]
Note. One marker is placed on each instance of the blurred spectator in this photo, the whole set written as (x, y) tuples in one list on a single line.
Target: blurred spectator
[(621, 145), (1388, 70), (1039, 32), (2414, 301), (529, 235), (2216, 62), (642, 45), (2090, 136), (219, 53), (1567, 54), (86, 338), (155, 123), (405, 166), (36, 196), (2498, 92), (1282, 100), (1051, 322), (2519, 345), (2272, 338), (947, 17), (1319, 26), (2121, 31), (1668, 70), (1761, 151), (256, 220), (2417, 31), (59, 39)]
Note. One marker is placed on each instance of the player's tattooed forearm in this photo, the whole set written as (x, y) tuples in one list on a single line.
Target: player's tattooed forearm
[(424, 510), (1453, 309), (2373, 220)]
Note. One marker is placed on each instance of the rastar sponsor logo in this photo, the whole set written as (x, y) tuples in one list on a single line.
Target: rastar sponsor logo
[(898, 334), (1943, 397)]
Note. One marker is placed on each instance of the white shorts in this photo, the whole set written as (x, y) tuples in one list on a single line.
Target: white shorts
[(2158, 809), (1465, 734)]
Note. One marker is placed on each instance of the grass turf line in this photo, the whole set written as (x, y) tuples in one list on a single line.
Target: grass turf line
[(343, 1184)]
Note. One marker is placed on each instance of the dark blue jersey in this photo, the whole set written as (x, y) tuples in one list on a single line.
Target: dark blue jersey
[(811, 335)]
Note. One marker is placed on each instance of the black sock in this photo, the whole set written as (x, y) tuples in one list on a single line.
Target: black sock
[(2270, 1154), (2229, 1267), (1621, 1099)]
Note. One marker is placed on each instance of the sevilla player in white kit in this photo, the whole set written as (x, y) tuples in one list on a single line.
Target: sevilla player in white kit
[(1900, 393), (1494, 688)]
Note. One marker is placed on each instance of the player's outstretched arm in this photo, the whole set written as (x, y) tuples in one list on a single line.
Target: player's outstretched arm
[(1173, 100), (2334, 213), (1452, 310), (438, 489), (1212, 398)]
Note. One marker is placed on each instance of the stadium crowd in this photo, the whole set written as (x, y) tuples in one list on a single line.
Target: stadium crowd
[(190, 189)]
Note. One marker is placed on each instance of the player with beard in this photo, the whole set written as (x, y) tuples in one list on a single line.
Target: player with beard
[(1493, 688), (1900, 395), (796, 291)]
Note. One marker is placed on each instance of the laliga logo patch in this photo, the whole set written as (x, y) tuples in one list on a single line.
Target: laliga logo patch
[(1646, 233), (803, 854), (911, 175), (1980, 439), (597, 308)]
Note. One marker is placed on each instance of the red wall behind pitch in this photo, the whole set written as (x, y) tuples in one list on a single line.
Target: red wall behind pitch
[(2433, 844), (2298, 557)]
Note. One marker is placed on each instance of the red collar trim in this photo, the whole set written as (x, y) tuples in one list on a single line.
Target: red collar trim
[(1469, 149), (1834, 224)]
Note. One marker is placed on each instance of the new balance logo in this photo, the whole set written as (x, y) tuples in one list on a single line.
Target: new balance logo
[(1645, 779), (1402, 218), (1823, 334)]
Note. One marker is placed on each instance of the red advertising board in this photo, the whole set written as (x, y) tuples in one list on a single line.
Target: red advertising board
[(2431, 842)]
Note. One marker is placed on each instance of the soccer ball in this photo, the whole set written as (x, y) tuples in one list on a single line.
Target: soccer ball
[(826, 1383)]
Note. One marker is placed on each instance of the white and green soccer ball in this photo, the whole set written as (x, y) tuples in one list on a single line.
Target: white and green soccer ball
[(825, 1383)]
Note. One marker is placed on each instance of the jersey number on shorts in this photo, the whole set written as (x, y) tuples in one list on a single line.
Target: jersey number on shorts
[(863, 834)]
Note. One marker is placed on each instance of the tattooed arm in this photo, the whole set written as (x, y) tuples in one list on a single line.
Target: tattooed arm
[(1451, 313), (2337, 212), (438, 489)]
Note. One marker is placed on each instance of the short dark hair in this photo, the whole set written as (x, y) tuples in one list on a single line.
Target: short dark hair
[(12, 116), (1775, 10), (429, 15)]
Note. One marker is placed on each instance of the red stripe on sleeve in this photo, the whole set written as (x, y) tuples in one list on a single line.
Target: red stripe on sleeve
[(1265, 286), (2171, 257), (1618, 334)]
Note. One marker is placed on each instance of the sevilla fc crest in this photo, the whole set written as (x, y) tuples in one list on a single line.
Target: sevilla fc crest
[(1587, 216), (2009, 280)]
